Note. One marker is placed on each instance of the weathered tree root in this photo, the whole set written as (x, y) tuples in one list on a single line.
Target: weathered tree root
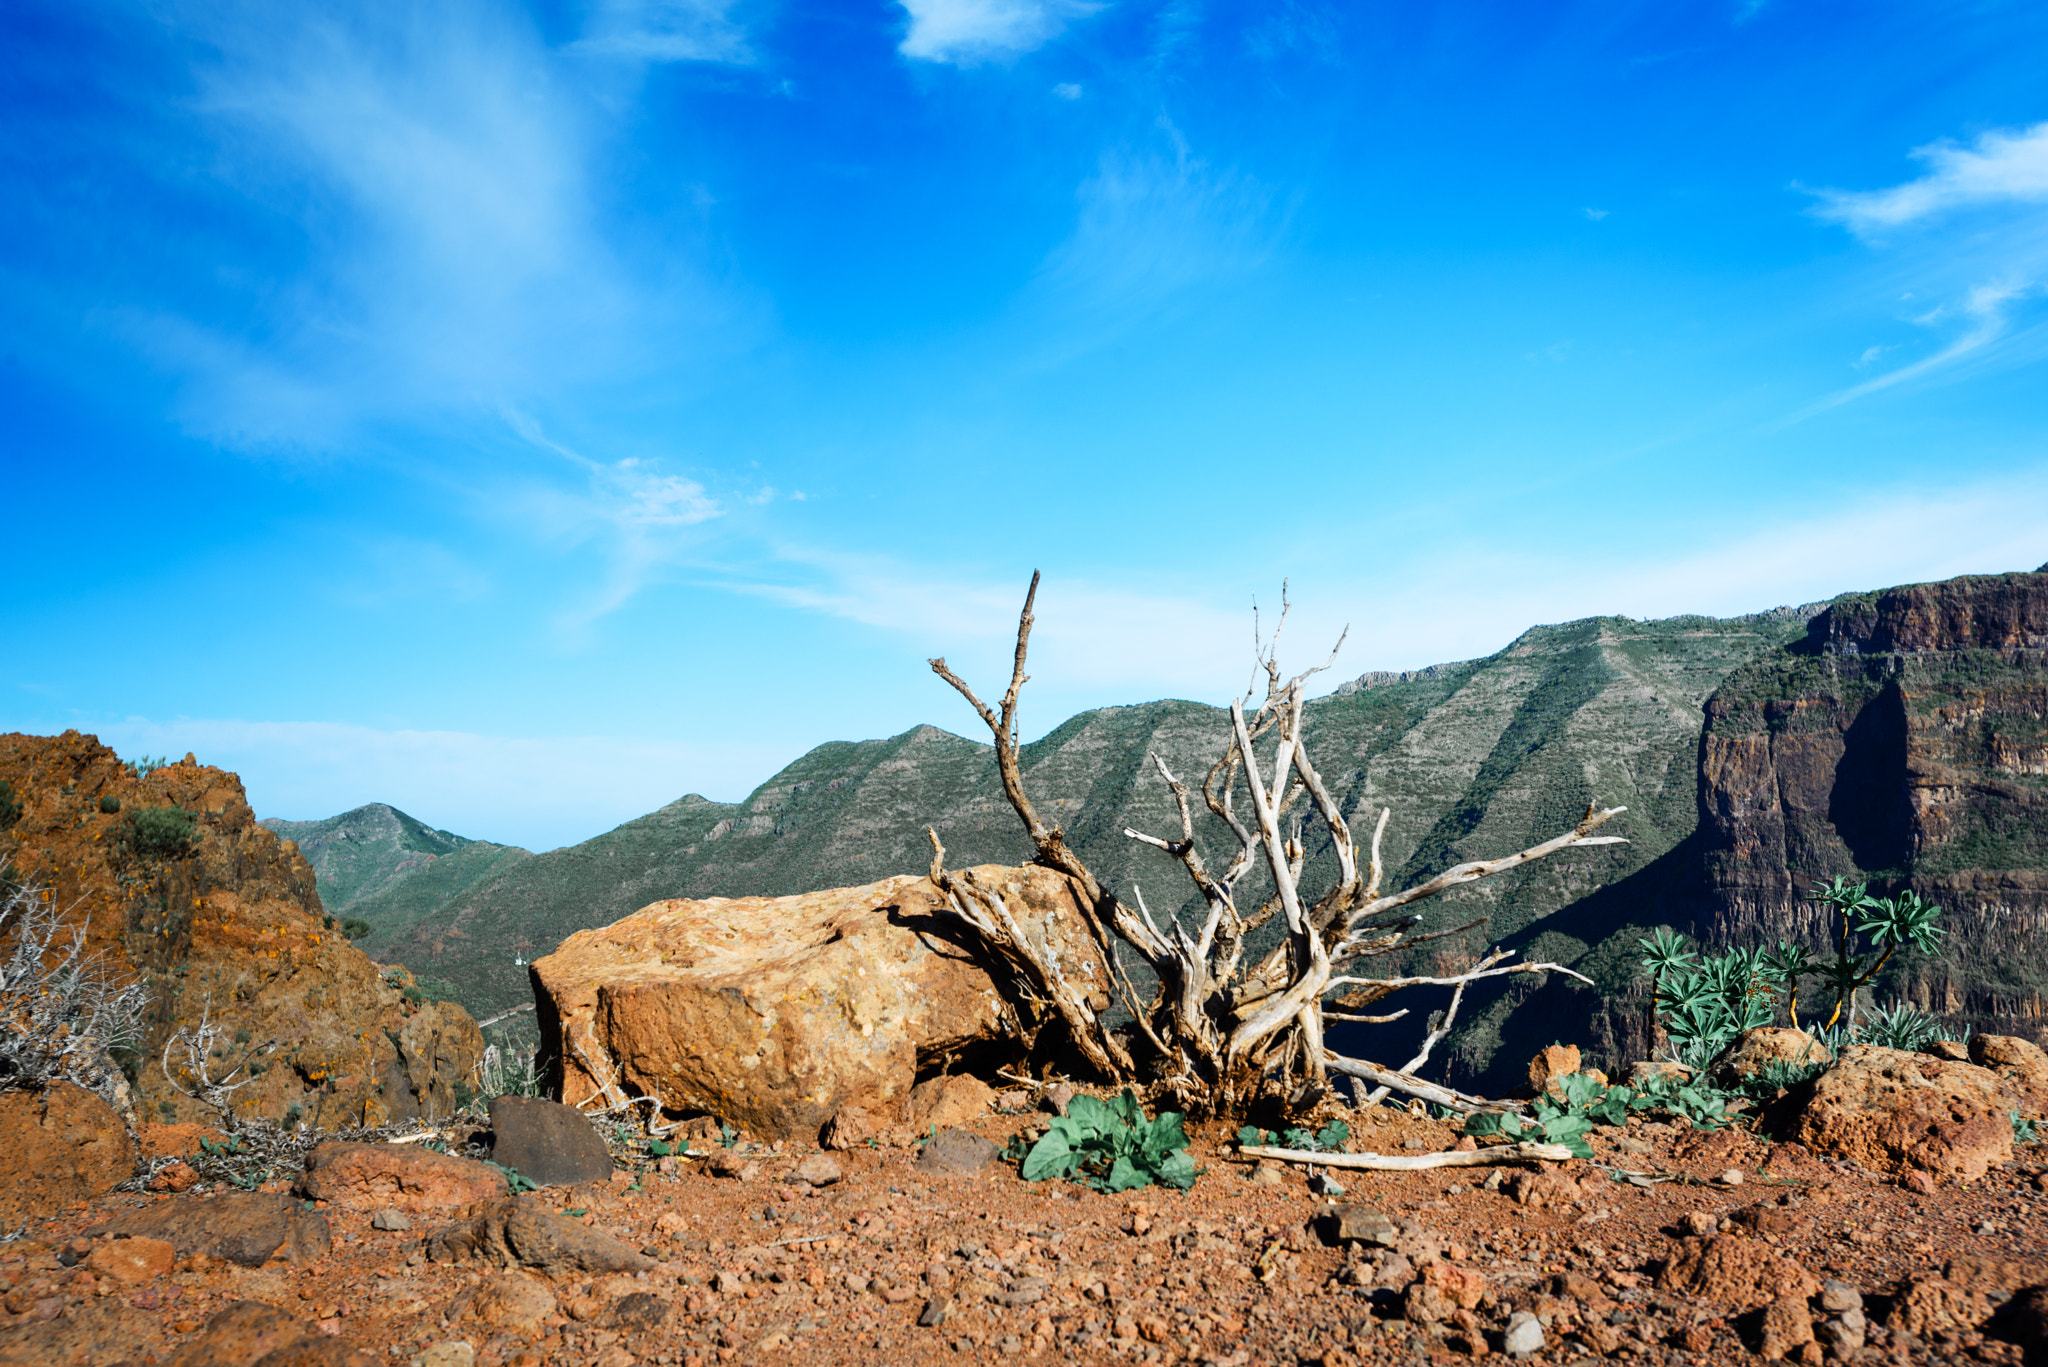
[(1477, 1158)]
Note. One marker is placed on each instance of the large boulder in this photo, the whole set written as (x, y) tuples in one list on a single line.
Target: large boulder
[(775, 1012), (547, 1143), (58, 1145), (403, 1177), (1892, 1111), (1755, 1050)]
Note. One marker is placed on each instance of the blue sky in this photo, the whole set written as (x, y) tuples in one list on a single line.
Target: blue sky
[(526, 415)]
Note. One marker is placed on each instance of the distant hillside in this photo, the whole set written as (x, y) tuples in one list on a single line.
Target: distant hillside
[(382, 866), (1477, 758)]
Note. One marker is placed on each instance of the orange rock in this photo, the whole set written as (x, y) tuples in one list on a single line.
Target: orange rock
[(1555, 1061), (947, 1102), (132, 1261), (1892, 1111), (178, 1176), (776, 1012), (401, 1176), (57, 1146), (2022, 1063), (1735, 1270)]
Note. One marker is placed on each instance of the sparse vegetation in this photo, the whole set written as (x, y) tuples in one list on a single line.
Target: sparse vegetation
[(1111, 1146), (161, 832), (63, 1010), (109, 803), (1704, 1002)]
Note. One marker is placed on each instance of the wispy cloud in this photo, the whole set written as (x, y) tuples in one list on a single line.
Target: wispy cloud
[(638, 516), (968, 32), (1965, 233), (665, 31), (2002, 166), (1153, 224), (437, 164)]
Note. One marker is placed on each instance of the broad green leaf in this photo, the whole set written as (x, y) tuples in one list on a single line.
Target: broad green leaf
[(1178, 1170), (1089, 1114), (1051, 1156), (1125, 1176), (1333, 1135)]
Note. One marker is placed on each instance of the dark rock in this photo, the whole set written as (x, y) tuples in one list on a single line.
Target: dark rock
[(520, 1231), (248, 1228), (958, 1153), (641, 1312), (936, 1311), (547, 1143)]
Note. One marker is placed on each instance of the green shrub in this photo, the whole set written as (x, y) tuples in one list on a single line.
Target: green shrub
[(1111, 1146), (10, 806), (109, 803), (355, 927), (1581, 1102), (1705, 1002), (162, 832), (1903, 1026)]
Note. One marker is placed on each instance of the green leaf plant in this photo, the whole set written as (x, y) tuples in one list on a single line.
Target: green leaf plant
[(1705, 1002), (1579, 1102), (1329, 1139), (1111, 1146)]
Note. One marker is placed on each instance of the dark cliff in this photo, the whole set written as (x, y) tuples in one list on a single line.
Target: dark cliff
[(1904, 741)]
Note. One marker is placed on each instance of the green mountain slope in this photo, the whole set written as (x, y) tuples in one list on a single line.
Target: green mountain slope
[(1476, 759), (382, 866)]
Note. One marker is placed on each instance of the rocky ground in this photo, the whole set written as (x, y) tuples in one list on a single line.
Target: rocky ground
[(1723, 1246)]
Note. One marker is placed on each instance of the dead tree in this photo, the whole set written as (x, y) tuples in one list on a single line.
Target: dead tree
[(1223, 1026)]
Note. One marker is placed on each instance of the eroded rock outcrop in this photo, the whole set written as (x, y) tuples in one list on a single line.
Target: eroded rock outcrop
[(228, 925), (1896, 1112), (776, 1012), (1906, 733), (58, 1145)]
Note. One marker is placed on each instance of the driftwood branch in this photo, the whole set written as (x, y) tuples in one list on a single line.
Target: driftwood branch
[(1527, 1151), (1221, 1032)]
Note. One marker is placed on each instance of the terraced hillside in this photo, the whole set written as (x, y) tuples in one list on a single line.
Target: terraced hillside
[(1476, 759)]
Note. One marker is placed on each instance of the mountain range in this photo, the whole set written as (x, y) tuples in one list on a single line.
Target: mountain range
[(1476, 758)]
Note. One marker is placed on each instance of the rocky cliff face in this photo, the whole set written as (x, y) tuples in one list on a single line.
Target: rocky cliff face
[(1904, 740), (232, 927)]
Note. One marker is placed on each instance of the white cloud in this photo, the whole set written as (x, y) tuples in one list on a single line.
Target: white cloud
[(665, 31), (640, 518), (536, 791), (1595, 214), (1067, 90), (966, 32), (2003, 166), (1151, 226), (437, 164)]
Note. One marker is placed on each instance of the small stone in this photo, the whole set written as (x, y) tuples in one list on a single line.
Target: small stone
[(1267, 1175), (1524, 1335), (1837, 1296), (1013, 1101), (849, 1128), (1415, 1143), (1918, 1182), (1731, 1178), (453, 1353), (391, 1219), (1057, 1099), (132, 1262), (936, 1312), (1322, 1184), (178, 1176), (1365, 1225), (959, 1153), (1700, 1223), (1467, 1144), (820, 1170)]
